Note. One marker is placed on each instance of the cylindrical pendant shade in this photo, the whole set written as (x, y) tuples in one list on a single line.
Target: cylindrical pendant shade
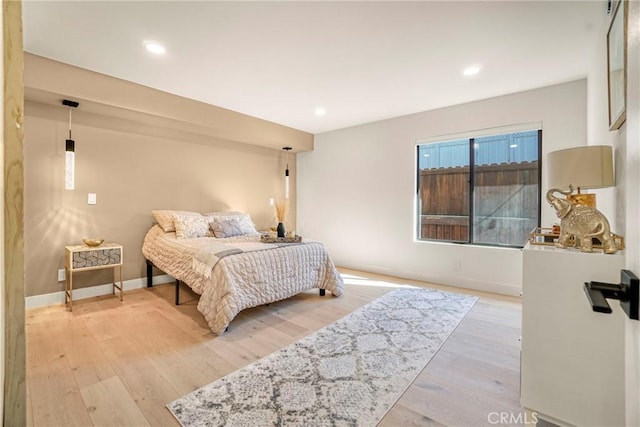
[(69, 165), (69, 152), (286, 184), (286, 174), (585, 167)]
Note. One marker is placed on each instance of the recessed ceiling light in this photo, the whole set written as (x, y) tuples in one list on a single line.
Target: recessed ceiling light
[(472, 70), (320, 111), (154, 47)]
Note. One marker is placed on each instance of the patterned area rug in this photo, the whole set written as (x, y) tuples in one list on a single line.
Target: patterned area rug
[(346, 374)]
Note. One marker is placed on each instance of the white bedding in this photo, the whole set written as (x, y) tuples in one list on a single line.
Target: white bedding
[(242, 280)]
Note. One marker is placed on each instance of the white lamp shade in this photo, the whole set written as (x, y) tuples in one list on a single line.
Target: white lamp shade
[(586, 167)]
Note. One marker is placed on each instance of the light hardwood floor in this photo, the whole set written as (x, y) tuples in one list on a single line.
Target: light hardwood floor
[(112, 363)]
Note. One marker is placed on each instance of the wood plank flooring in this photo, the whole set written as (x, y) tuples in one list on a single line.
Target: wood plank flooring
[(112, 363)]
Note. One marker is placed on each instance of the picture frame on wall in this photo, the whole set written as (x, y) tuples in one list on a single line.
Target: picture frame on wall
[(617, 66)]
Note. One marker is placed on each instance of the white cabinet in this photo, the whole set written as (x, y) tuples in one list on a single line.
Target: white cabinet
[(573, 363)]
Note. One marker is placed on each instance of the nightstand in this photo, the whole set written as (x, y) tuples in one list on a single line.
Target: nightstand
[(84, 258)]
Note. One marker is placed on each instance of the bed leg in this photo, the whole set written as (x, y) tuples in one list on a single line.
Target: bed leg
[(177, 292), (149, 274), (322, 292)]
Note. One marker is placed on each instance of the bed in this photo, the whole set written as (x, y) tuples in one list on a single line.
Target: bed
[(232, 269)]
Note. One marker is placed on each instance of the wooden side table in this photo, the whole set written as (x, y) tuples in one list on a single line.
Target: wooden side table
[(84, 258)]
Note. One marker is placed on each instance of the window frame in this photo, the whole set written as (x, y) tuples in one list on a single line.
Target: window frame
[(471, 136)]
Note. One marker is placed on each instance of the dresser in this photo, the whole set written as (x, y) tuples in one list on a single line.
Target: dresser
[(80, 258)]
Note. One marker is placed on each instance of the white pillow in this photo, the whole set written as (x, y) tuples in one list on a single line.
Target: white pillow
[(164, 218), (246, 225), (188, 226), (217, 216)]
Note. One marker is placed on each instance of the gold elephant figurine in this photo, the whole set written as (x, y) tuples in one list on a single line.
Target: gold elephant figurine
[(582, 222)]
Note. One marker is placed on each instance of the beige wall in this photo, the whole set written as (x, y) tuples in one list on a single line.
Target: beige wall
[(133, 168)]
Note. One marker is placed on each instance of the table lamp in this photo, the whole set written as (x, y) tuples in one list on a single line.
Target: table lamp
[(584, 167)]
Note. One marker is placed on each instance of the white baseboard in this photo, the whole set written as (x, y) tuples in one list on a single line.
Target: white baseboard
[(92, 291), (458, 282)]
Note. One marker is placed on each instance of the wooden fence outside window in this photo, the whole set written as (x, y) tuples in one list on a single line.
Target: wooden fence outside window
[(505, 207)]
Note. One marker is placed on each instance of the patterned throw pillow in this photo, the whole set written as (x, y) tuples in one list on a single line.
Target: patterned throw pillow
[(188, 226), (244, 220), (246, 225), (227, 228), (164, 218)]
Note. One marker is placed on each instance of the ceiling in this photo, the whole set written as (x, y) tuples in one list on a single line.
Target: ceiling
[(360, 61)]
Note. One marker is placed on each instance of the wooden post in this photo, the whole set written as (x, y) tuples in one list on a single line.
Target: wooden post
[(15, 396)]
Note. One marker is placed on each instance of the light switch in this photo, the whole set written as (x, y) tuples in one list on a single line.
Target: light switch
[(92, 199)]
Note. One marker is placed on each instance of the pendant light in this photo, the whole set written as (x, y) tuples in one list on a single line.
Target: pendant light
[(286, 174), (69, 152)]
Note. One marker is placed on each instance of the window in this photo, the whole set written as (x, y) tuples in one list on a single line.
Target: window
[(483, 190)]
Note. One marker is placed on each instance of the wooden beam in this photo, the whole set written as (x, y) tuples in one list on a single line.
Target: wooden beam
[(48, 81), (14, 403)]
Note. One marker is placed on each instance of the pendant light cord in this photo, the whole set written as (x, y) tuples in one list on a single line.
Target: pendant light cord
[(70, 123)]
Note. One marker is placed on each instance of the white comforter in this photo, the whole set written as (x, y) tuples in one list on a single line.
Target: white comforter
[(242, 280)]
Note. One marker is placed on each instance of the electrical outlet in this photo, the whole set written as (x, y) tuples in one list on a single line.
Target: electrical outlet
[(61, 275), (92, 199), (457, 264)]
